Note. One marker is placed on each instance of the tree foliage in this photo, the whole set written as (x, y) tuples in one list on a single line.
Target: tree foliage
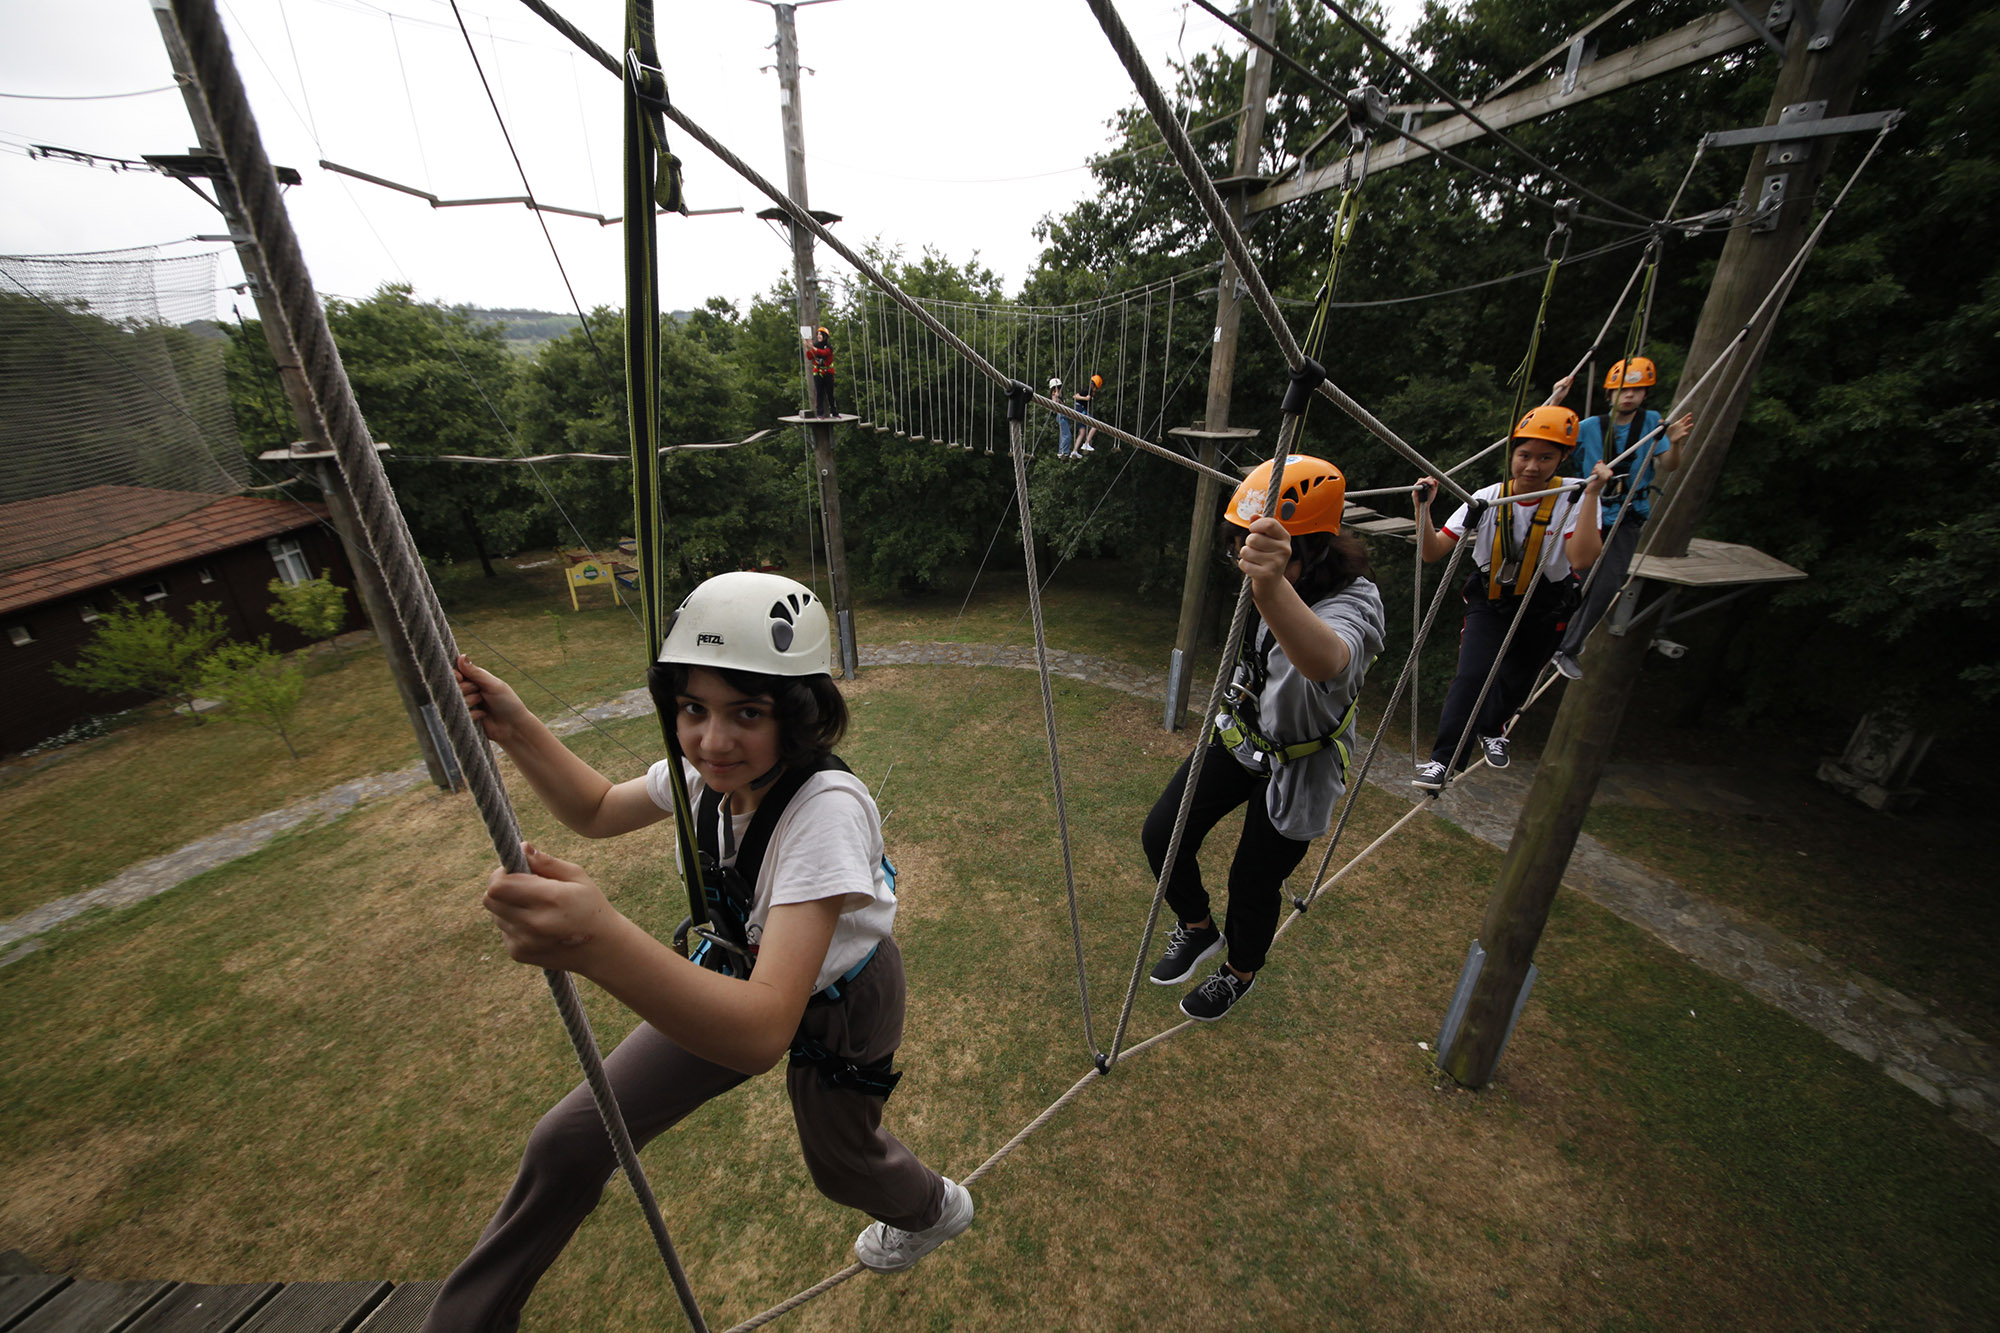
[(149, 651), (317, 608), (259, 686)]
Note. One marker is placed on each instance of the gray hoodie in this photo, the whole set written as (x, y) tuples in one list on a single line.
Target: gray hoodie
[(1292, 709)]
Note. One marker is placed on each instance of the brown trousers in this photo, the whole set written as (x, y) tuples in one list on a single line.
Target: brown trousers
[(853, 1160)]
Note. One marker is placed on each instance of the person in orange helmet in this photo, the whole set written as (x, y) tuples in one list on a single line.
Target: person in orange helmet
[(1538, 536), (1082, 398), (1626, 424), (1280, 748)]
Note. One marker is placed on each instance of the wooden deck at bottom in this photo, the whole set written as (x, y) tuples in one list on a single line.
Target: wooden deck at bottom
[(42, 1303)]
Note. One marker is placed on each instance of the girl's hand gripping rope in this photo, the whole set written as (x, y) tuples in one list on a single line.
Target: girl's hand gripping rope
[(553, 915), (1265, 554), (491, 701)]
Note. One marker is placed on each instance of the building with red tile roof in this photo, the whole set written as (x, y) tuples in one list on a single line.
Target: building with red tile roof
[(65, 559)]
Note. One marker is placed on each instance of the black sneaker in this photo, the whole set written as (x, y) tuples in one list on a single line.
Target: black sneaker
[(1212, 998), (1188, 947), (1431, 776), (1495, 750)]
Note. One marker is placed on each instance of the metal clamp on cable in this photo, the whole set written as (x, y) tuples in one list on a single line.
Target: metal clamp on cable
[(1102, 1061), (1565, 211), (1018, 397), (1308, 377), (1367, 106), (1301, 904), (1475, 509)]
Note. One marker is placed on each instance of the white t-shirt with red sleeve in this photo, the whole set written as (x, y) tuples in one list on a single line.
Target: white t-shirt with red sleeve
[(1562, 523)]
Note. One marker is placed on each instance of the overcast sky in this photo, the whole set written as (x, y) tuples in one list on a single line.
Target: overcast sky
[(927, 122)]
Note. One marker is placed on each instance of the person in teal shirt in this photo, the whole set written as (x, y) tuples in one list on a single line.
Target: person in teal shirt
[(1625, 422)]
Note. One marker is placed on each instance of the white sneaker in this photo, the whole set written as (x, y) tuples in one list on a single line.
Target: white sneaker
[(888, 1249), (1086, 448)]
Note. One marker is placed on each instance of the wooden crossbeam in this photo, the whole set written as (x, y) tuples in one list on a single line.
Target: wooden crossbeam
[(1691, 44)]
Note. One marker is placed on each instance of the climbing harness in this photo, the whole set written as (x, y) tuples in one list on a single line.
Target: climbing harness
[(1237, 721), (1517, 560)]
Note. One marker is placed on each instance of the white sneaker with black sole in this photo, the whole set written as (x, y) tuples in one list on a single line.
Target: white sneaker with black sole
[(888, 1249), (1188, 947)]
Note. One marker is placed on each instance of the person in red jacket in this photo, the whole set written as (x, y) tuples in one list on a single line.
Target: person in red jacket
[(819, 359)]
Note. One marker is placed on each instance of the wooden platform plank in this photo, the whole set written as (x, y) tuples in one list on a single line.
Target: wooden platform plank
[(318, 1307), (1354, 513), (405, 1309), (91, 1307), (1386, 527), (21, 1295), (1716, 565), (13, 1263), (194, 1307)]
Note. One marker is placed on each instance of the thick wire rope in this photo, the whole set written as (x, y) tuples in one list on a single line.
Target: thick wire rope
[(1368, 35), (410, 592), (1232, 238)]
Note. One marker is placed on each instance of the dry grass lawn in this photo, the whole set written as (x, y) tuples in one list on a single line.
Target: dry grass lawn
[(318, 1064)]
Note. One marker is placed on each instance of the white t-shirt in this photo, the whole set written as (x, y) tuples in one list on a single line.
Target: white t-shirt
[(1562, 523), (828, 844)]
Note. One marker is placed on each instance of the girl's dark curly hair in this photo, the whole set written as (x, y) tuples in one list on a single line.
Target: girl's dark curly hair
[(1330, 561), (811, 714)]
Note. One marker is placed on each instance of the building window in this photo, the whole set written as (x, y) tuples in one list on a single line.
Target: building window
[(89, 611), (206, 574), (20, 635), (153, 592), (290, 558)]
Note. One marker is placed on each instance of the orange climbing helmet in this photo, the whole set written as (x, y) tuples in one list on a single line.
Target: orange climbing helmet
[(1097, 381), (1557, 425), (1636, 373), (1313, 496)]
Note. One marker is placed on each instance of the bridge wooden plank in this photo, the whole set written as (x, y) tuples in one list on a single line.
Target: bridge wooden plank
[(91, 1307), (405, 1309), (318, 1307), (194, 1307), (23, 1294)]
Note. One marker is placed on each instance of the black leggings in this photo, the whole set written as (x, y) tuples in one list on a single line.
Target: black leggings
[(1264, 856), (1478, 644)]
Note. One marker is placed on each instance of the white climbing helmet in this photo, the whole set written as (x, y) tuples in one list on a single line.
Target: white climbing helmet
[(749, 621), (1054, 385)]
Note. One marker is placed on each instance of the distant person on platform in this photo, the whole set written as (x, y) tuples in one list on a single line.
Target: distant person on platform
[(819, 359), (1624, 423)]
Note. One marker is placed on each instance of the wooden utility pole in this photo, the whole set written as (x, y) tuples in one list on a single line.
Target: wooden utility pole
[(806, 279), (313, 446), (1221, 366), (1824, 63)]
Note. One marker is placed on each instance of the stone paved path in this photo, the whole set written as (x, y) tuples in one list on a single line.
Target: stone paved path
[(1938, 1061)]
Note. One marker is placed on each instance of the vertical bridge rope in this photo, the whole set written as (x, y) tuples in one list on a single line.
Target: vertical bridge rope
[(387, 534)]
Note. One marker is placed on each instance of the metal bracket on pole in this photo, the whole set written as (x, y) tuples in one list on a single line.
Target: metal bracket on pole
[(1764, 30), (1581, 52), (449, 757), (1468, 977), (1788, 151), (1790, 131), (1770, 198), (1826, 27), (849, 658), (1172, 721)]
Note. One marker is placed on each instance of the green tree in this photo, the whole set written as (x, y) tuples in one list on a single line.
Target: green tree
[(316, 608), (149, 651), (260, 686)]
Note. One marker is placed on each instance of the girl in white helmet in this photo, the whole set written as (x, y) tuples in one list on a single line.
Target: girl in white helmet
[(812, 972)]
